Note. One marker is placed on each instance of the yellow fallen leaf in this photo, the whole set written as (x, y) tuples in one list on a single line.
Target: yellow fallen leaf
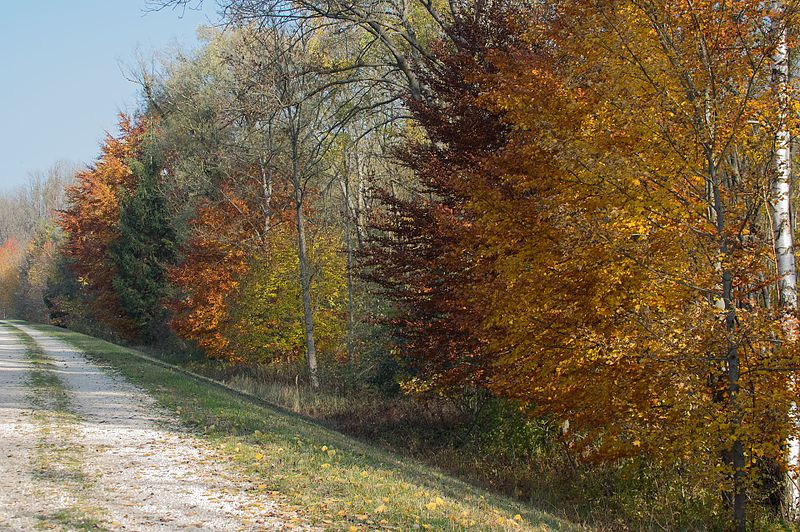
[(380, 509), (259, 456)]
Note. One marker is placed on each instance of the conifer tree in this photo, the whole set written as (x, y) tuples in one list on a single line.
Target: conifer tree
[(143, 250)]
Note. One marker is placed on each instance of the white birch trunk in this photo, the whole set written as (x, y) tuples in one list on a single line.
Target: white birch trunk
[(780, 206)]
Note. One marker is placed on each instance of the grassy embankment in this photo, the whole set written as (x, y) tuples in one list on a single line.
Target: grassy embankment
[(332, 480)]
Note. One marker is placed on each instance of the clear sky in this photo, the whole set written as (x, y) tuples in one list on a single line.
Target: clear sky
[(61, 80)]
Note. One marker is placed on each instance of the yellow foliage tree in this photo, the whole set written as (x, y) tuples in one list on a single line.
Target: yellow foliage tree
[(640, 308), (267, 313), (604, 170), (10, 258)]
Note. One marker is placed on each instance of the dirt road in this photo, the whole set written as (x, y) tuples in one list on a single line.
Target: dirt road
[(81, 448)]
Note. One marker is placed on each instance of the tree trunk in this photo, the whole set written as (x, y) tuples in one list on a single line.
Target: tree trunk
[(266, 186), (734, 455), (782, 229), (781, 194), (350, 306), (305, 281), (737, 458)]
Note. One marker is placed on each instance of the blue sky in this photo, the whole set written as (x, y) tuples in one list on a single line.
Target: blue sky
[(61, 83)]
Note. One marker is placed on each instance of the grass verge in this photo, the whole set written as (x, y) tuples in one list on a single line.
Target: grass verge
[(330, 479)]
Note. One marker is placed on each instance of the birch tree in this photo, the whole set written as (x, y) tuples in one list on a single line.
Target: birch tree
[(781, 214)]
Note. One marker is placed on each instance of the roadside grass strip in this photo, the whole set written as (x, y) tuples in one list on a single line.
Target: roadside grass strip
[(333, 481)]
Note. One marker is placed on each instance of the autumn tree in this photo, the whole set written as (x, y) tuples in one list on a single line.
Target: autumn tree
[(420, 254), (37, 271), (605, 235), (212, 259), (10, 256), (91, 221), (267, 310)]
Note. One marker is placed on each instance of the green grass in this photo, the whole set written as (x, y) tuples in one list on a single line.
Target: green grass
[(71, 519), (330, 479)]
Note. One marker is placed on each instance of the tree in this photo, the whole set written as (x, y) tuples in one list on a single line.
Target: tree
[(10, 256), (212, 260), (37, 270), (421, 253), (143, 250), (91, 221), (267, 312), (685, 168), (302, 118), (781, 212)]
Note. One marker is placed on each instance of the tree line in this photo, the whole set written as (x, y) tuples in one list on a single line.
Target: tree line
[(583, 208)]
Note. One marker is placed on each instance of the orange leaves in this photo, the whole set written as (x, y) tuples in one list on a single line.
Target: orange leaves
[(208, 274), (10, 258), (603, 306), (91, 220), (589, 187)]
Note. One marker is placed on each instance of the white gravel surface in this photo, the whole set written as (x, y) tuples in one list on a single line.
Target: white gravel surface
[(140, 469), (18, 502)]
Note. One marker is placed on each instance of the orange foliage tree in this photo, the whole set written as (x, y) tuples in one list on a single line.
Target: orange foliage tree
[(646, 315), (91, 220), (10, 258), (213, 259)]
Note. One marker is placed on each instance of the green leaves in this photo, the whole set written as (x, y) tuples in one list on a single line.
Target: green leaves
[(143, 250)]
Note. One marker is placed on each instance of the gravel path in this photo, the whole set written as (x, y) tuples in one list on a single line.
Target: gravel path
[(17, 436), (123, 469)]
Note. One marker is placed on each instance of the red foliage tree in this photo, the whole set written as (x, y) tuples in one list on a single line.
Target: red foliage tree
[(422, 256)]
